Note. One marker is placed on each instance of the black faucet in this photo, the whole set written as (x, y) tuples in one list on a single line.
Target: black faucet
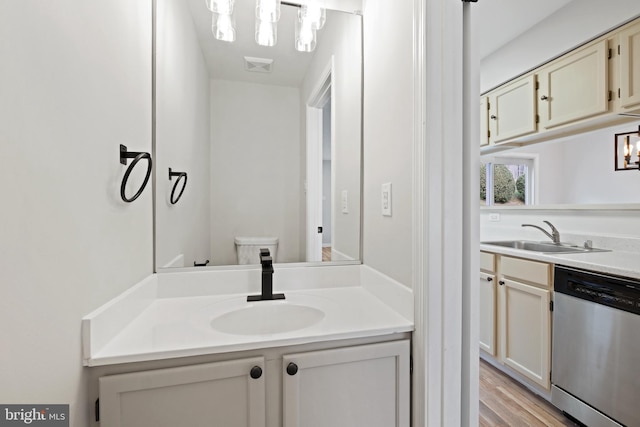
[(267, 279)]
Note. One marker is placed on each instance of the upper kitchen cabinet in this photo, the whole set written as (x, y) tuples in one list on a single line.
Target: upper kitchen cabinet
[(512, 110), (484, 121), (629, 50), (575, 86)]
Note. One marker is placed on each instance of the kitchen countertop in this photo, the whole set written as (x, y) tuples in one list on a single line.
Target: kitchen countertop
[(152, 323), (615, 262)]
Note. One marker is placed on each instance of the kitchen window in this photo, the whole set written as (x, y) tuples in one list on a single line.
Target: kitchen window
[(507, 181)]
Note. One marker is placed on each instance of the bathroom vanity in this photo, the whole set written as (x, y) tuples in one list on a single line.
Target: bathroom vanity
[(188, 345)]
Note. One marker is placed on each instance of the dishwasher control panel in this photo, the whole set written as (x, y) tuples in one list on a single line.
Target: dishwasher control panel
[(616, 292)]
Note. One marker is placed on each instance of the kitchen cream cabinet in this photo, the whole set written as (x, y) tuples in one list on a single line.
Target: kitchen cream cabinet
[(484, 121), (575, 86), (523, 311), (629, 52), (488, 301), (361, 384), (356, 386), (512, 110)]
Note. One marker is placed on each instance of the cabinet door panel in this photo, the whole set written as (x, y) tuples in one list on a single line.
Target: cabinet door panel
[(512, 110), (484, 121), (526, 331), (630, 66), (575, 86), (488, 313), (357, 386), (213, 394)]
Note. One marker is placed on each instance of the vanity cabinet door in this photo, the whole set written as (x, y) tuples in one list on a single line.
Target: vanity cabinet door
[(630, 67), (512, 110), (356, 386), (525, 330), (575, 86), (212, 394)]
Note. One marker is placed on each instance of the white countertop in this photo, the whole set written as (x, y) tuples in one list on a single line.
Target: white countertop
[(146, 324), (619, 263)]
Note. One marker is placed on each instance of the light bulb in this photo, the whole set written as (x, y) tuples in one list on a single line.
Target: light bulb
[(268, 10), (223, 28), (266, 33), (314, 14), (305, 36), (220, 6)]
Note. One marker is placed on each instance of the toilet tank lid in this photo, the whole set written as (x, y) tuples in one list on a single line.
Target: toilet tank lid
[(256, 240)]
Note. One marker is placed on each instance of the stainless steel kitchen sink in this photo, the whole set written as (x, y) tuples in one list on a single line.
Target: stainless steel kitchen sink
[(543, 247)]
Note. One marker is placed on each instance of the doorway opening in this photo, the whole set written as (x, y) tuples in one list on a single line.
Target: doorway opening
[(319, 185)]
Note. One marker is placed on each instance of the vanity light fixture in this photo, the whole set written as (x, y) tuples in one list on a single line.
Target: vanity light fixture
[(314, 14), (627, 150), (311, 18), (305, 34), (266, 33), (223, 27), (224, 7)]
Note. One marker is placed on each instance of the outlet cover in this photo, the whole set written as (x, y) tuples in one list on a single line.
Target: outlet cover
[(386, 199), (345, 202)]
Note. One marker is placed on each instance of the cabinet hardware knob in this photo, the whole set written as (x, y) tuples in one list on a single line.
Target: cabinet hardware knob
[(501, 282), (292, 368), (489, 279), (256, 372), (494, 117), (543, 98)]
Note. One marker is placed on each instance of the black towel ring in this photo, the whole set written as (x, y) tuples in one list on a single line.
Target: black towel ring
[(180, 175), (136, 156)]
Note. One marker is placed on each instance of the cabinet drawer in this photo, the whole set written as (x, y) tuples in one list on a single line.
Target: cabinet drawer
[(525, 270), (487, 261)]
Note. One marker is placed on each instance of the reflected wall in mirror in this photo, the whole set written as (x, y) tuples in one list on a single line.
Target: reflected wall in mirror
[(268, 154), (570, 170)]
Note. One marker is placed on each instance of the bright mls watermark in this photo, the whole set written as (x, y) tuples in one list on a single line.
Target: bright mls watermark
[(34, 415)]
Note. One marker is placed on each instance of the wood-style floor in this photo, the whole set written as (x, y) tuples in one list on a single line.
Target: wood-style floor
[(505, 402), (326, 253)]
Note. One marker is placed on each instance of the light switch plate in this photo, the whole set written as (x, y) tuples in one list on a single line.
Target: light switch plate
[(345, 202), (386, 199)]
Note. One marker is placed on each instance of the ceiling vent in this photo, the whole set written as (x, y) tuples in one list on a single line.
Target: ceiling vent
[(258, 65)]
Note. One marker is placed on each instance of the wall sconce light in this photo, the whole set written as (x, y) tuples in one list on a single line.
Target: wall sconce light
[(627, 154)]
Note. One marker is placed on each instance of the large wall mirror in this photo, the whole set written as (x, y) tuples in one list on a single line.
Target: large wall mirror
[(573, 170), (269, 138)]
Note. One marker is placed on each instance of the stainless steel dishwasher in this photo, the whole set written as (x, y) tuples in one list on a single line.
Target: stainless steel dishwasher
[(596, 348)]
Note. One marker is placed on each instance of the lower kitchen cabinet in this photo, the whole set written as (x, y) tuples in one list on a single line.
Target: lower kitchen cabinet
[(488, 303), (359, 385), (515, 315), (526, 330)]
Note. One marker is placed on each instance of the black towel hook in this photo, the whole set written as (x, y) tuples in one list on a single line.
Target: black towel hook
[(136, 156), (180, 175)]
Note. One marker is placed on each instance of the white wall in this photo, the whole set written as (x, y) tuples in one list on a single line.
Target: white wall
[(341, 38), (570, 26), (388, 136), (182, 138), (75, 81), (580, 169), (255, 168)]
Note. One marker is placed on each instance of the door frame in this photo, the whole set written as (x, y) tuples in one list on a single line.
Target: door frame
[(320, 95)]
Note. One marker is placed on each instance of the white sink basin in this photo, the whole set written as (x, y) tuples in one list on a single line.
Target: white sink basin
[(267, 317)]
